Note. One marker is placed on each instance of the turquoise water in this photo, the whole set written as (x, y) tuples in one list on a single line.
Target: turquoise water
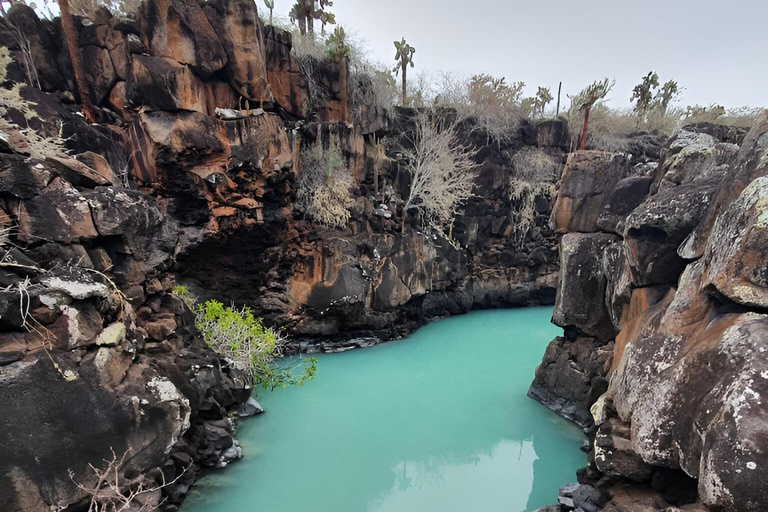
[(438, 422)]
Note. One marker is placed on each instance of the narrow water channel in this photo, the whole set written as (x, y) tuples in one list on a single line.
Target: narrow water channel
[(438, 422)]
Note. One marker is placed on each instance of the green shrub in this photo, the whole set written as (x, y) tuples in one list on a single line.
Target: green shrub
[(249, 346)]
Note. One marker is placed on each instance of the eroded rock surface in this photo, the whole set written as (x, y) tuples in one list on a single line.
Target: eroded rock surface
[(683, 420)]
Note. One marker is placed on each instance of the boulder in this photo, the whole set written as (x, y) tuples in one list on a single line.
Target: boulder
[(145, 414), (239, 27), (42, 42), (580, 302), (101, 75), (588, 179), (99, 164), (737, 251), (690, 381), (690, 157), (180, 30), (250, 408), (614, 455), (571, 377), (628, 195), (60, 215), (655, 229), (22, 177), (78, 173)]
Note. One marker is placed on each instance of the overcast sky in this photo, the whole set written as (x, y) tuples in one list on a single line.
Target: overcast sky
[(717, 50)]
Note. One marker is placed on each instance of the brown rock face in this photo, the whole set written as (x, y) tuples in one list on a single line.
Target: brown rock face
[(179, 30), (241, 34), (164, 84), (284, 75), (587, 182)]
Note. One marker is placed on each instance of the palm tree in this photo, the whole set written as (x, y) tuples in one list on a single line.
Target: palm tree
[(404, 55), (74, 55), (586, 99)]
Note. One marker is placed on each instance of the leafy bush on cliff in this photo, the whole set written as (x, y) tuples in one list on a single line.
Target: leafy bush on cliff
[(248, 345), (324, 182)]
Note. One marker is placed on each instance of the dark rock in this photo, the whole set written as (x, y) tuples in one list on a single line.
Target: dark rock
[(571, 377), (553, 133), (628, 195), (656, 228), (581, 290), (614, 455), (250, 408)]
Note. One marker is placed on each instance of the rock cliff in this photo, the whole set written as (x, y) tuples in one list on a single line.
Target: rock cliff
[(191, 177), (662, 297)]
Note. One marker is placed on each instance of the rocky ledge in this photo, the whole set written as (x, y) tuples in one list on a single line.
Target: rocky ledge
[(662, 297)]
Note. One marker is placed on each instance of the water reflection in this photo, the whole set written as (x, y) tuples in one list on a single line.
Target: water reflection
[(439, 422)]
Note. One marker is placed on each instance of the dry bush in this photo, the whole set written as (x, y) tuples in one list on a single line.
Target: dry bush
[(38, 144), (534, 174), (88, 8), (372, 86), (742, 117), (113, 492), (610, 129), (494, 105), (442, 172), (324, 183)]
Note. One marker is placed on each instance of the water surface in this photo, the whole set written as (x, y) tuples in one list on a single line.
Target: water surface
[(438, 422)]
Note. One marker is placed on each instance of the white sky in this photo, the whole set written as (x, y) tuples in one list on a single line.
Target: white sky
[(717, 50)]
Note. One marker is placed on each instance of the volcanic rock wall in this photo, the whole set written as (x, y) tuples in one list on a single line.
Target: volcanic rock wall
[(662, 297), (190, 177)]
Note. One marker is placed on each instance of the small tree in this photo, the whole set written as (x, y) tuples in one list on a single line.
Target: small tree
[(305, 12), (642, 94), (404, 55), (271, 6), (587, 99), (70, 38), (646, 102), (668, 93), (542, 98), (442, 172), (326, 18)]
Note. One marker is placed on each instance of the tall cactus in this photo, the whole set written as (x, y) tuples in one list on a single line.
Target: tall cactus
[(404, 55), (271, 6), (586, 99)]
